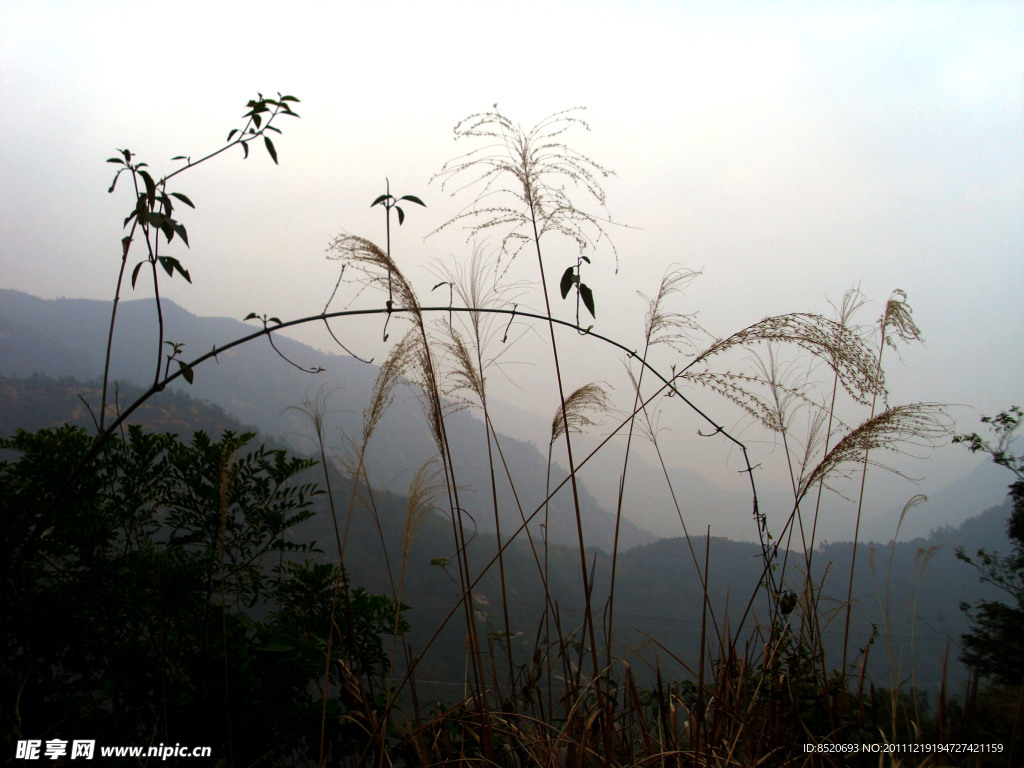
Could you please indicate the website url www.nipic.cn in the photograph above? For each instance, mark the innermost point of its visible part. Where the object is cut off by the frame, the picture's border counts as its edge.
(79, 749)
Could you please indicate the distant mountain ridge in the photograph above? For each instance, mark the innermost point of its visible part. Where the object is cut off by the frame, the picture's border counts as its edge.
(67, 337)
(910, 590)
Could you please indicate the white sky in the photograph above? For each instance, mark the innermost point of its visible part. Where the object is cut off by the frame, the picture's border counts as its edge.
(788, 150)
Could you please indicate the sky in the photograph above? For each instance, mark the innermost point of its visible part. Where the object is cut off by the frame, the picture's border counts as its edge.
(788, 151)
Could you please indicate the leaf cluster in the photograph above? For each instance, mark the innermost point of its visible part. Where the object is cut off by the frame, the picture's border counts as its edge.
(995, 644)
(167, 596)
(390, 202)
(154, 205)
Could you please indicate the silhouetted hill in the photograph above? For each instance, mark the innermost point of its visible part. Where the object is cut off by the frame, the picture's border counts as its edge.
(910, 590)
(67, 337)
(41, 401)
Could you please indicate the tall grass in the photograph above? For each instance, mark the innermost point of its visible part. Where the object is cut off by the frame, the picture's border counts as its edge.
(760, 686)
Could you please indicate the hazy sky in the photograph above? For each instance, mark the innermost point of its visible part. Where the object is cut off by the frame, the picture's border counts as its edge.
(787, 150)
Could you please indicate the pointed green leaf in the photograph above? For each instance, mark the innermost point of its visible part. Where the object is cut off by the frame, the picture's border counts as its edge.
(181, 232)
(245, 149)
(568, 278)
(275, 320)
(585, 259)
(401, 215)
(117, 160)
(186, 371)
(231, 133)
(270, 148)
(135, 273)
(588, 299)
(183, 199)
(380, 200)
(150, 185)
(250, 316)
(178, 157)
(413, 199)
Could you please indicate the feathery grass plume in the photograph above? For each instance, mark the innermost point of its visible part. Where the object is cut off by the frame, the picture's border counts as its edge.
(366, 257)
(662, 326)
(389, 376)
(464, 373)
(424, 489)
(542, 166)
(377, 266)
(789, 389)
(915, 424)
(839, 346)
(589, 397)
(814, 441)
(476, 284)
(853, 300)
(739, 388)
(430, 394)
(316, 411)
(786, 385)
(897, 321)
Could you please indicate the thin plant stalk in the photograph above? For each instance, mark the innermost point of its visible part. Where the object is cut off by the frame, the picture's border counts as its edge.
(897, 317)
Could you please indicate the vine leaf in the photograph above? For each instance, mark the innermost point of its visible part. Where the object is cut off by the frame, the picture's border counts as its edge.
(588, 299)
(568, 280)
(270, 148)
(170, 265)
(183, 199)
